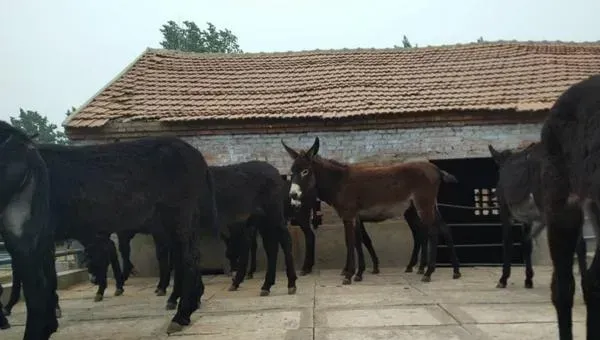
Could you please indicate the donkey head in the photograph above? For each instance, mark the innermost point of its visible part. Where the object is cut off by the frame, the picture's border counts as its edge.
(15, 167)
(499, 156)
(303, 177)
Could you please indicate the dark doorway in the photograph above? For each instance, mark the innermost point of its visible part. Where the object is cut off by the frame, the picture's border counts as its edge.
(477, 233)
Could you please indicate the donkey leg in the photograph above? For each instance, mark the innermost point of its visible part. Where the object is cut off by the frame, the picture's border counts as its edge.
(309, 244)
(285, 240)
(116, 268)
(271, 249)
(369, 245)
(527, 249)
(349, 232)
(3, 321)
(581, 251)
(507, 247)
(244, 251)
(162, 251)
(125, 250)
(450, 242)
(253, 247)
(359, 251)
(177, 263)
(563, 232)
(15, 293)
(424, 250)
(591, 279)
(410, 215)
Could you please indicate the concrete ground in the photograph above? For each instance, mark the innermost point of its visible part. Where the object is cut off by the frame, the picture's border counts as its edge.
(391, 305)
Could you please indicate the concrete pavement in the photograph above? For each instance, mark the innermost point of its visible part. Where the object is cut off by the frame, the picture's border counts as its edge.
(391, 305)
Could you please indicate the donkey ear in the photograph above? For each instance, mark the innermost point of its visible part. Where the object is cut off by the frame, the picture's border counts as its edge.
(293, 153)
(314, 149)
(496, 156)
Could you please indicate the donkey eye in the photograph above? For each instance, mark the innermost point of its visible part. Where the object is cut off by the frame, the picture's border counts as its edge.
(304, 172)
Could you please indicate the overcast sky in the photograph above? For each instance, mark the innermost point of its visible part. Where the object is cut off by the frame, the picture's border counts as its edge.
(57, 54)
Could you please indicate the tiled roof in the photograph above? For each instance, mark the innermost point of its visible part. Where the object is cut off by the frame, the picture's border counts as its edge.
(165, 86)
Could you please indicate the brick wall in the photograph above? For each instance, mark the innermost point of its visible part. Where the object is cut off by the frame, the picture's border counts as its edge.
(372, 145)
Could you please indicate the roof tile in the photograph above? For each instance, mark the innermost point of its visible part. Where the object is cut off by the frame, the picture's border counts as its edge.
(167, 85)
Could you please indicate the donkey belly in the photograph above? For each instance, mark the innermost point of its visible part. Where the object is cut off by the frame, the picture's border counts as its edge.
(379, 213)
(525, 211)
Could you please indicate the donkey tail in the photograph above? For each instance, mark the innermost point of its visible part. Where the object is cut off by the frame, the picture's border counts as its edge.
(447, 177)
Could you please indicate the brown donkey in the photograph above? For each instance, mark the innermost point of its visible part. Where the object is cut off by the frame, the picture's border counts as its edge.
(370, 192)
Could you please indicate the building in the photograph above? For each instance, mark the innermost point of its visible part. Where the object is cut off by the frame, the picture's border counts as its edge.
(375, 105)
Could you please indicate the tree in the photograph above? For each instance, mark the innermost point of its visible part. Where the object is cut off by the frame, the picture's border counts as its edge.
(480, 40)
(33, 123)
(192, 39)
(405, 43)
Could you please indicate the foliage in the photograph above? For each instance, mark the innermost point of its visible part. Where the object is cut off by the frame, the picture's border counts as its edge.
(406, 43)
(193, 39)
(33, 123)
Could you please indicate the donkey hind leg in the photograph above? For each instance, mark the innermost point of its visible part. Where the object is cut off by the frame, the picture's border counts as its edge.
(15, 292)
(116, 269)
(124, 238)
(242, 262)
(369, 245)
(359, 251)
(427, 213)
(591, 279)
(412, 219)
(271, 248)
(177, 263)
(581, 251)
(527, 244)
(285, 241)
(163, 251)
(450, 242)
(253, 247)
(507, 248)
(564, 226)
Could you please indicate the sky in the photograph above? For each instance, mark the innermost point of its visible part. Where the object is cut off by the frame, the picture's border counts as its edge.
(57, 54)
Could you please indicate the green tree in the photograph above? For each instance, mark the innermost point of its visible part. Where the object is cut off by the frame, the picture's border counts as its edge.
(406, 43)
(33, 123)
(480, 40)
(191, 38)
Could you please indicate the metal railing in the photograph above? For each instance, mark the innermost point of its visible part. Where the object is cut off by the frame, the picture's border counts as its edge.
(62, 253)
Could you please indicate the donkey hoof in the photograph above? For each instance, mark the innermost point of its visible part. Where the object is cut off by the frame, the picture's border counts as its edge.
(346, 281)
(376, 271)
(408, 270)
(292, 290)
(426, 278)
(343, 273)
(4, 325)
(161, 292)
(174, 327)
(250, 276)
(6, 312)
(171, 305)
(232, 288)
(58, 313)
(501, 285)
(264, 292)
(357, 278)
(456, 276)
(119, 292)
(528, 284)
(421, 271)
(98, 297)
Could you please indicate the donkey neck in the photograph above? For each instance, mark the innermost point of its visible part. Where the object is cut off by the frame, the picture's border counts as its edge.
(328, 178)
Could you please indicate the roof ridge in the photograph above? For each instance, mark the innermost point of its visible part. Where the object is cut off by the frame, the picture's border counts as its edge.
(495, 43)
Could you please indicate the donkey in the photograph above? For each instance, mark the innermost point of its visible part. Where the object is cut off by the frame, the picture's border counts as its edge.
(26, 229)
(100, 189)
(251, 191)
(374, 192)
(519, 193)
(570, 141)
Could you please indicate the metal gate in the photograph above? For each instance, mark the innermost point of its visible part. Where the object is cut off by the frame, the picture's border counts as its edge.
(476, 228)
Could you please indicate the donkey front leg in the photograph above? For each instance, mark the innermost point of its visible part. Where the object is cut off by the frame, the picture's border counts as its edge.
(3, 321)
(432, 256)
(359, 251)
(116, 268)
(366, 240)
